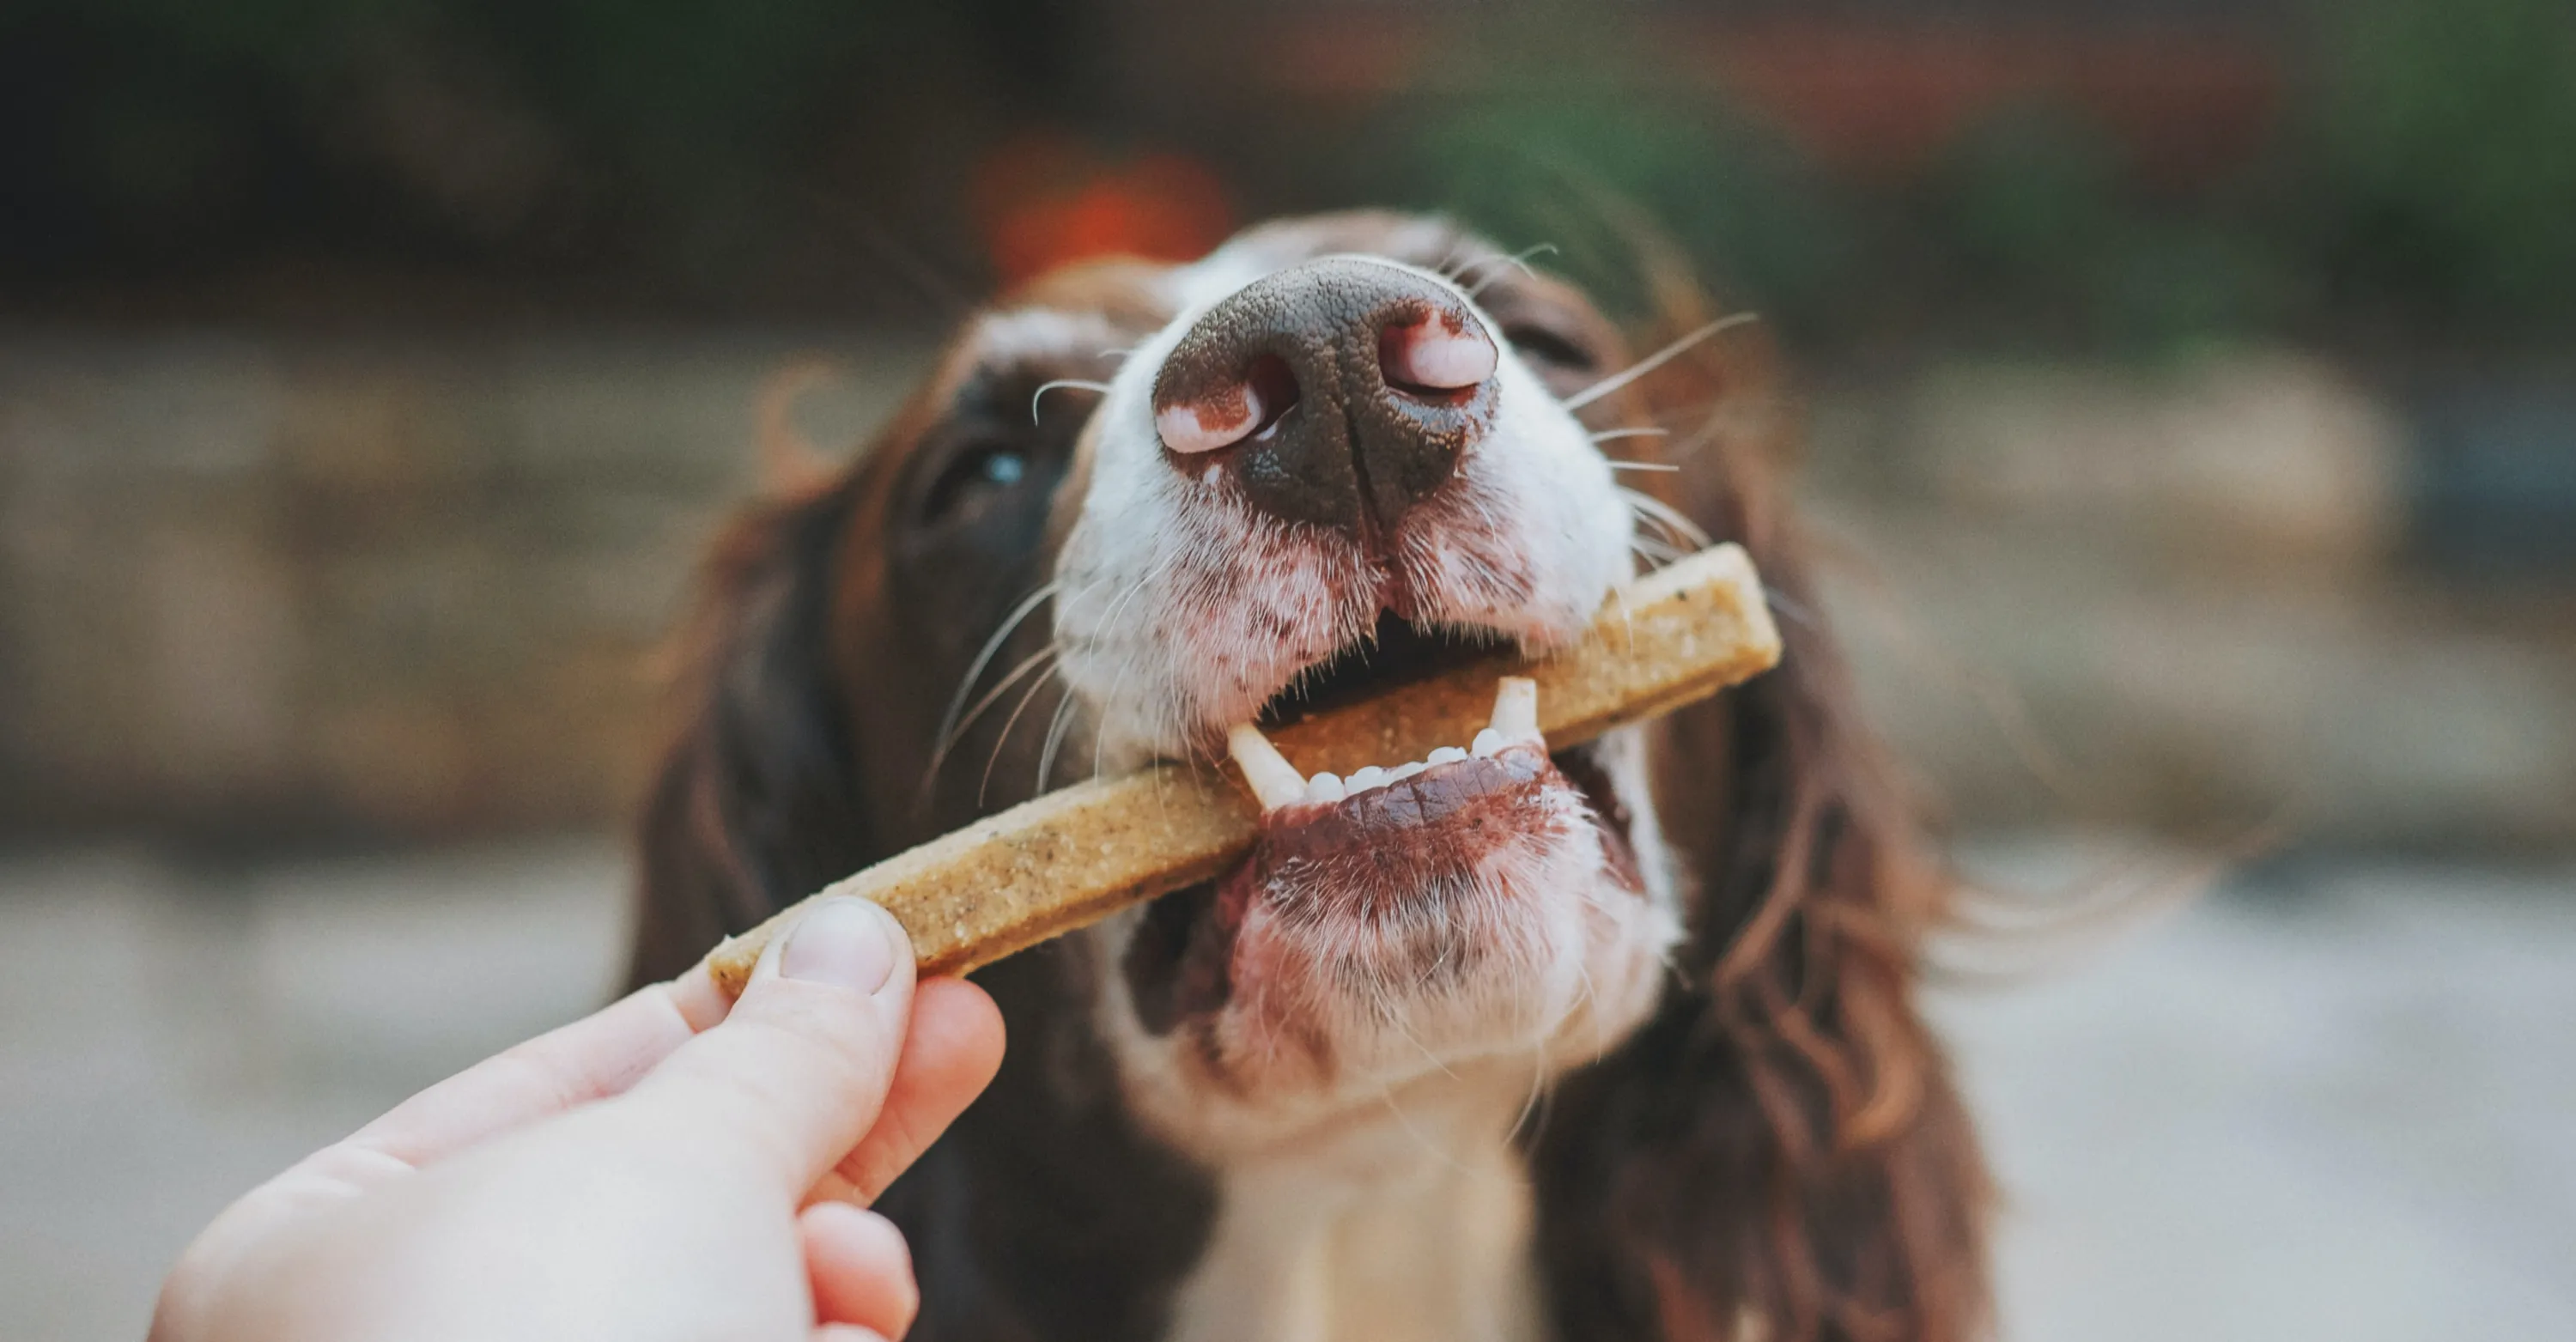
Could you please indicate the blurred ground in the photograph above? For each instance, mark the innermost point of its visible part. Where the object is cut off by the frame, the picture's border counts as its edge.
(2325, 1104)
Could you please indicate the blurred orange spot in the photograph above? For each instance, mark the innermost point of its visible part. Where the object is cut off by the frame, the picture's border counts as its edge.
(1045, 200)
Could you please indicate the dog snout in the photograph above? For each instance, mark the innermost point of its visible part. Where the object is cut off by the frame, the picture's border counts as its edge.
(1339, 392)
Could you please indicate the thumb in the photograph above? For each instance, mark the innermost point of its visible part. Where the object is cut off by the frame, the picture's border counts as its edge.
(793, 1077)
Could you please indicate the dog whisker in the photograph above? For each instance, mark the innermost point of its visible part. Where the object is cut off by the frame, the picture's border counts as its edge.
(1109, 619)
(1613, 435)
(1071, 383)
(1643, 466)
(1669, 515)
(1519, 258)
(1383, 1002)
(948, 724)
(1651, 530)
(1655, 360)
(1786, 605)
(1438, 1153)
(1539, 1091)
(1042, 657)
(1654, 557)
(1055, 737)
(1627, 617)
(985, 783)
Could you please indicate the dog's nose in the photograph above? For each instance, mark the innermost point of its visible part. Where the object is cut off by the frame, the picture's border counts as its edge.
(1339, 392)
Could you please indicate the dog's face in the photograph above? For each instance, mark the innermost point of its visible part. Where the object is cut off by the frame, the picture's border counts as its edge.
(1330, 466)
(1331, 454)
(1141, 512)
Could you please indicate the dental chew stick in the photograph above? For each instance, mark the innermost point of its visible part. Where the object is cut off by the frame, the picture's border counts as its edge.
(1081, 853)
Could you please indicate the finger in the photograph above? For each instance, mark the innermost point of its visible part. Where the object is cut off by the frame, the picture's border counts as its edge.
(698, 998)
(794, 1076)
(595, 1057)
(860, 1267)
(598, 1056)
(842, 1332)
(950, 1055)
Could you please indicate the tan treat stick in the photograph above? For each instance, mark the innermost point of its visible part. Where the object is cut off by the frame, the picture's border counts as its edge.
(1081, 853)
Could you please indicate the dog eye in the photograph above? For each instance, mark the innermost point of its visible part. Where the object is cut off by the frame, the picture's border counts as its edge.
(975, 473)
(1541, 345)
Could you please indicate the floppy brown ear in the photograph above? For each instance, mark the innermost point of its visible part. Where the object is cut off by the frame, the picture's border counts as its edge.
(1779, 1153)
(758, 800)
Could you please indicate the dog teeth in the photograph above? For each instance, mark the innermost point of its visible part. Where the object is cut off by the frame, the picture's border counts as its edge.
(1515, 718)
(1274, 780)
(1277, 783)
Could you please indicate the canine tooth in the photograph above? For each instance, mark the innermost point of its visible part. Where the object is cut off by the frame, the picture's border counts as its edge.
(1274, 780)
(1516, 709)
(1447, 755)
(1404, 771)
(1362, 779)
(1486, 743)
(1325, 787)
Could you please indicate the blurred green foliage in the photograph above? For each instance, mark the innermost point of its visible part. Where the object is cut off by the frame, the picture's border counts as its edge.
(2422, 179)
(1580, 170)
(2444, 143)
(2034, 212)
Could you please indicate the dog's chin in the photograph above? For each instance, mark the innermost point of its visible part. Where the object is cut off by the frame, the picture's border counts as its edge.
(1482, 916)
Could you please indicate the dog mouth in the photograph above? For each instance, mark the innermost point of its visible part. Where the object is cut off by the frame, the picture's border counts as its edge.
(1397, 651)
(1398, 842)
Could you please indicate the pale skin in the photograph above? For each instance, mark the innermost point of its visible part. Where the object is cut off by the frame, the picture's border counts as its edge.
(668, 1168)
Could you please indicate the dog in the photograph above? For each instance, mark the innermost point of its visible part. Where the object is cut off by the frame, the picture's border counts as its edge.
(1609, 1042)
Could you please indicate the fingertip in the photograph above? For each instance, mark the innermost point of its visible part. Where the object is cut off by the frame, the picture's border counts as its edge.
(860, 1267)
(950, 1055)
(844, 941)
(698, 998)
(794, 1073)
(960, 1023)
(858, 1236)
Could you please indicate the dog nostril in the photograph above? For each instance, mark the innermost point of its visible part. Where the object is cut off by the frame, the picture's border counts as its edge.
(1276, 388)
(1237, 411)
(1434, 354)
(1335, 393)
(1211, 422)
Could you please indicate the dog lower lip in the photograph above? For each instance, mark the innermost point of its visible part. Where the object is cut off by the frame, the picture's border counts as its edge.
(1392, 815)
(1396, 652)
(1179, 965)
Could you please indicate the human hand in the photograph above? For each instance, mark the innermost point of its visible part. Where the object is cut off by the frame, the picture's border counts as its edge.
(662, 1169)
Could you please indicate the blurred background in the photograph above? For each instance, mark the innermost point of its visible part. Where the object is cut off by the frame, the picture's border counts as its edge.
(2189, 398)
